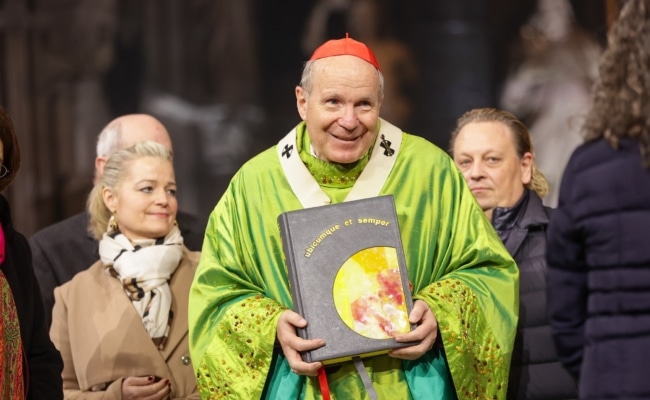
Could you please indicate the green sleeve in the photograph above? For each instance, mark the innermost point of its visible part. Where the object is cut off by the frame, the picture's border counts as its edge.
(460, 268)
(232, 324)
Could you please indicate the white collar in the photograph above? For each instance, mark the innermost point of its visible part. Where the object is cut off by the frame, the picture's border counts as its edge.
(369, 183)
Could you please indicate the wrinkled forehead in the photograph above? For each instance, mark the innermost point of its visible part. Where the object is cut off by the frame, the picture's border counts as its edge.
(345, 69)
(484, 136)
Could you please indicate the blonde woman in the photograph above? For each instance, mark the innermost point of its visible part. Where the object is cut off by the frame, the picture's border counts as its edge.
(121, 325)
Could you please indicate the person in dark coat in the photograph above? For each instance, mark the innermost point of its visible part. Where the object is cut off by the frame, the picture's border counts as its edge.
(598, 243)
(30, 365)
(494, 151)
(62, 250)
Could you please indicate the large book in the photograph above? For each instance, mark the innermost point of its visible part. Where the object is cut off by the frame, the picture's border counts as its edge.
(348, 277)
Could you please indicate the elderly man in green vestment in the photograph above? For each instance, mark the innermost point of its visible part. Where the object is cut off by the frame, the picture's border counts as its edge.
(464, 283)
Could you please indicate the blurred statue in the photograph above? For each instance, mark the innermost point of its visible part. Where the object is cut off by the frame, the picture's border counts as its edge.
(549, 87)
(201, 80)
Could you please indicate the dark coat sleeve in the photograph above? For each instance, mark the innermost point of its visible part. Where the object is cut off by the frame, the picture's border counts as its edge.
(566, 279)
(45, 275)
(59, 252)
(193, 230)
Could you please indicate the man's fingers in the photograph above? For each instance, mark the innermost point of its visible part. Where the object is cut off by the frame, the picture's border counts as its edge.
(422, 333)
(411, 352)
(294, 358)
(304, 345)
(293, 318)
(425, 333)
(418, 311)
(309, 369)
(292, 344)
(298, 344)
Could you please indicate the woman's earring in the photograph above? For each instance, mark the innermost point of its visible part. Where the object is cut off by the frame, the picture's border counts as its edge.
(112, 224)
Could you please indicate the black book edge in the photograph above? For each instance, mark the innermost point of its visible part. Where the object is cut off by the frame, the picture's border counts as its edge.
(293, 280)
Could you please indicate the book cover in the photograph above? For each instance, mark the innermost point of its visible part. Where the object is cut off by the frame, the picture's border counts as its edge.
(348, 277)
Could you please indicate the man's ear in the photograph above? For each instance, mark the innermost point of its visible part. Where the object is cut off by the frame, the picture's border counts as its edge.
(100, 161)
(527, 168)
(301, 101)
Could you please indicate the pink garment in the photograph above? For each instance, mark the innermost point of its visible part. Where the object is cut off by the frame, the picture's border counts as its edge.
(2, 245)
(12, 380)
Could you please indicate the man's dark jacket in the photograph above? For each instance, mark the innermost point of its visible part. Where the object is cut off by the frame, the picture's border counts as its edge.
(64, 249)
(43, 363)
(535, 372)
(599, 270)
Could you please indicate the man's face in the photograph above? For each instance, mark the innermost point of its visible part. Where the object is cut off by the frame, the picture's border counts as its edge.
(486, 155)
(342, 108)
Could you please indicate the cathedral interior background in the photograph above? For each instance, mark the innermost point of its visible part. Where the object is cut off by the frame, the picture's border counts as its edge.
(221, 74)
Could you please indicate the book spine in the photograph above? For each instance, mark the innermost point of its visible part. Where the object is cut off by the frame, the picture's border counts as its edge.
(292, 272)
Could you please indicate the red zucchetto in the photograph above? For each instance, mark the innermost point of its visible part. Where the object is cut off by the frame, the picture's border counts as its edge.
(346, 46)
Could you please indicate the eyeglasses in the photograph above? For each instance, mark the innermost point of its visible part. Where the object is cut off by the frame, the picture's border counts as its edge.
(3, 171)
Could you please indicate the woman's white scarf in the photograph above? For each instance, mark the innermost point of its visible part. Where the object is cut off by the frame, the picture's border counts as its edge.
(144, 267)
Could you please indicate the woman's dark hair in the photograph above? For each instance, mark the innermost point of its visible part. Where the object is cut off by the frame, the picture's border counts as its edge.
(11, 150)
(621, 94)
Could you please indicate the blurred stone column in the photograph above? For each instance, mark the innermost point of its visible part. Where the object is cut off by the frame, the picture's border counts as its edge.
(451, 41)
(53, 56)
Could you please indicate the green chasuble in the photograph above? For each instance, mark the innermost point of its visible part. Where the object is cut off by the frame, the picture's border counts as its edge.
(456, 263)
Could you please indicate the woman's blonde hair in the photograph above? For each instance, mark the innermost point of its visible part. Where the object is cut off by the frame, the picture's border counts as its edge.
(115, 170)
(521, 136)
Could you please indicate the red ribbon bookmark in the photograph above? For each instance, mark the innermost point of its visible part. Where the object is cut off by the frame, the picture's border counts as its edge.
(324, 386)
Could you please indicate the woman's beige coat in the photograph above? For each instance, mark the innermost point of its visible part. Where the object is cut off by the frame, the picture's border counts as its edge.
(102, 340)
